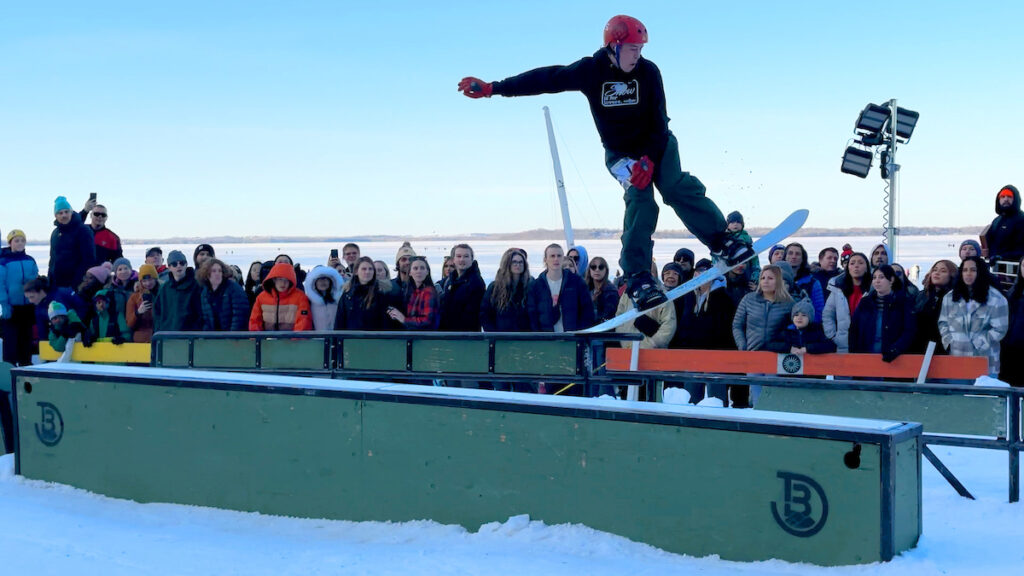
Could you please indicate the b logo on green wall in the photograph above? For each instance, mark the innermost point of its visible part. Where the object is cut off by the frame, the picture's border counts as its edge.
(50, 428)
(804, 506)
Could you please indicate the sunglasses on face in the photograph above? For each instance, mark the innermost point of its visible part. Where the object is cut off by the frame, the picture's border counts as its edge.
(574, 259)
(100, 214)
(597, 267)
(178, 263)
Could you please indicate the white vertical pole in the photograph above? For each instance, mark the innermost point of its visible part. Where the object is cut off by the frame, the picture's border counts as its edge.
(922, 376)
(633, 392)
(559, 182)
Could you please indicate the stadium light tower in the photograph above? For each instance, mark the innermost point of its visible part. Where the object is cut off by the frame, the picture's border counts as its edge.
(881, 127)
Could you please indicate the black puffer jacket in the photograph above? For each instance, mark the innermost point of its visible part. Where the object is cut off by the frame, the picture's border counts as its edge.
(460, 302)
(72, 252)
(353, 314)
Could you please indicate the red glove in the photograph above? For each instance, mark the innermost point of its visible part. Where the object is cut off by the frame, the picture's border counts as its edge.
(475, 87)
(643, 171)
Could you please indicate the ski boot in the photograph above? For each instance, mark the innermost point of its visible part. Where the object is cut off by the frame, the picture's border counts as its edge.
(645, 292)
(732, 252)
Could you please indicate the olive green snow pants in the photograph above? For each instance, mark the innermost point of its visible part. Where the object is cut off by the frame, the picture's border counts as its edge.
(680, 190)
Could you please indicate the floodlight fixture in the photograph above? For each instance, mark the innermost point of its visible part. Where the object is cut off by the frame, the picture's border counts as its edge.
(872, 119)
(906, 120)
(856, 162)
(883, 126)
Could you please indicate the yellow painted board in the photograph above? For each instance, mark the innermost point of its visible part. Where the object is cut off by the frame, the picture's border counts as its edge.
(101, 353)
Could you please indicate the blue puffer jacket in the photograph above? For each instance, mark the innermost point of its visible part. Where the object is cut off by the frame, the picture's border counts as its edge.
(16, 268)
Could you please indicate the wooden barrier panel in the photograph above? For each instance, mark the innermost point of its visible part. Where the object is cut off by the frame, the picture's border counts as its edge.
(829, 491)
(976, 415)
(100, 353)
(845, 365)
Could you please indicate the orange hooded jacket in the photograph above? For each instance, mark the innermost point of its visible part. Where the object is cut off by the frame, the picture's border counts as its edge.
(288, 310)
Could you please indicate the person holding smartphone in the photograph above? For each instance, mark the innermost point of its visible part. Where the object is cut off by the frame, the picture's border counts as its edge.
(139, 310)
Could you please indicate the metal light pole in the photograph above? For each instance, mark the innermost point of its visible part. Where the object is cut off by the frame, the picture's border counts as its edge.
(892, 230)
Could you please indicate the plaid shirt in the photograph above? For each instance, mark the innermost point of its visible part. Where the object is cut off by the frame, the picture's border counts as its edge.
(421, 309)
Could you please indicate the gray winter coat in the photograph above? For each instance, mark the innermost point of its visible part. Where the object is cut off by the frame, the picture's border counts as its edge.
(758, 321)
(835, 318)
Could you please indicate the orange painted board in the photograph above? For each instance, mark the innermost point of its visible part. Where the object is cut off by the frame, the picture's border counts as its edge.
(849, 365)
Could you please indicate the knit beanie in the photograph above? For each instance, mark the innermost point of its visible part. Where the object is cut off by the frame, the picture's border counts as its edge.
(674, 267)
(101, 273)
(703, 264)
(683, 254)
(734, 216)
(176, 256)
(122, 261)
(148, 270)
(56, 309)
(203, 248)
(803, 307)
(15, 233)
(405, 250)
(977, 247)
(773, 249)
(61, 203)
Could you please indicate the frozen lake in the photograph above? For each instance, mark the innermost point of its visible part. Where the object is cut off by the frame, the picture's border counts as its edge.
(922, 251)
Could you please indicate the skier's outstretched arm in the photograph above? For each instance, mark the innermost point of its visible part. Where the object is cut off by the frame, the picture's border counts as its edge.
(547, 80)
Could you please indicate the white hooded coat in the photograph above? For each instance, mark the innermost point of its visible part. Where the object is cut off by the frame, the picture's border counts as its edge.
(323, 312)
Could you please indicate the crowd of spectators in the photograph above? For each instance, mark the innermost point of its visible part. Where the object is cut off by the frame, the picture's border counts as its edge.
(845, 301)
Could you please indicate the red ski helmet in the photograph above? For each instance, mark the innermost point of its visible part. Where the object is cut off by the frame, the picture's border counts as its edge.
(623, 29)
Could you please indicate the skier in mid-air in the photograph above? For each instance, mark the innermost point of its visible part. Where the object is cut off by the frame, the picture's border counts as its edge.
(627, 101)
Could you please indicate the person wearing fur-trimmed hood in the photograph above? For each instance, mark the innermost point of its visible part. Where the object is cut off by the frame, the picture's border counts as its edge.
(323, 287)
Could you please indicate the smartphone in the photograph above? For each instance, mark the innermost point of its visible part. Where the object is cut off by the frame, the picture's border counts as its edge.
(92, 195)
(334, 253)
(147, 297)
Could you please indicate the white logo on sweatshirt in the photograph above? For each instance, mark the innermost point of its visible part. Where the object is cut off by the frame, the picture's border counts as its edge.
(620, 94)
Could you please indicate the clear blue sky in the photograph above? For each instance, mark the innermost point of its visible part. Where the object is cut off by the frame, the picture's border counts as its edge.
(342, 118)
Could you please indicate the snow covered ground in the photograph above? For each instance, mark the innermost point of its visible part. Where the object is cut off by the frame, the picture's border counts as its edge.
(54, 529)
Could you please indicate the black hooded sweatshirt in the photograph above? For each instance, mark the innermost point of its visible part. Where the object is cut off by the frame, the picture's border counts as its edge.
(1005, 236)
(628, 108)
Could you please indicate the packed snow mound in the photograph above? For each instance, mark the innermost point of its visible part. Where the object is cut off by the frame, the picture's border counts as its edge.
(675, 396)
(991, 382)
(711, 402)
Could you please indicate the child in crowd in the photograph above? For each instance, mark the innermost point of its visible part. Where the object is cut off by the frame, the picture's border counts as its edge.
(280, 306)
(66, 328)
(107, 324)
(737, 227)
(804, 335)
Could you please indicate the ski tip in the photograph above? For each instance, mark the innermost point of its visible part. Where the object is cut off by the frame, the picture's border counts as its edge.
(800, 216)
